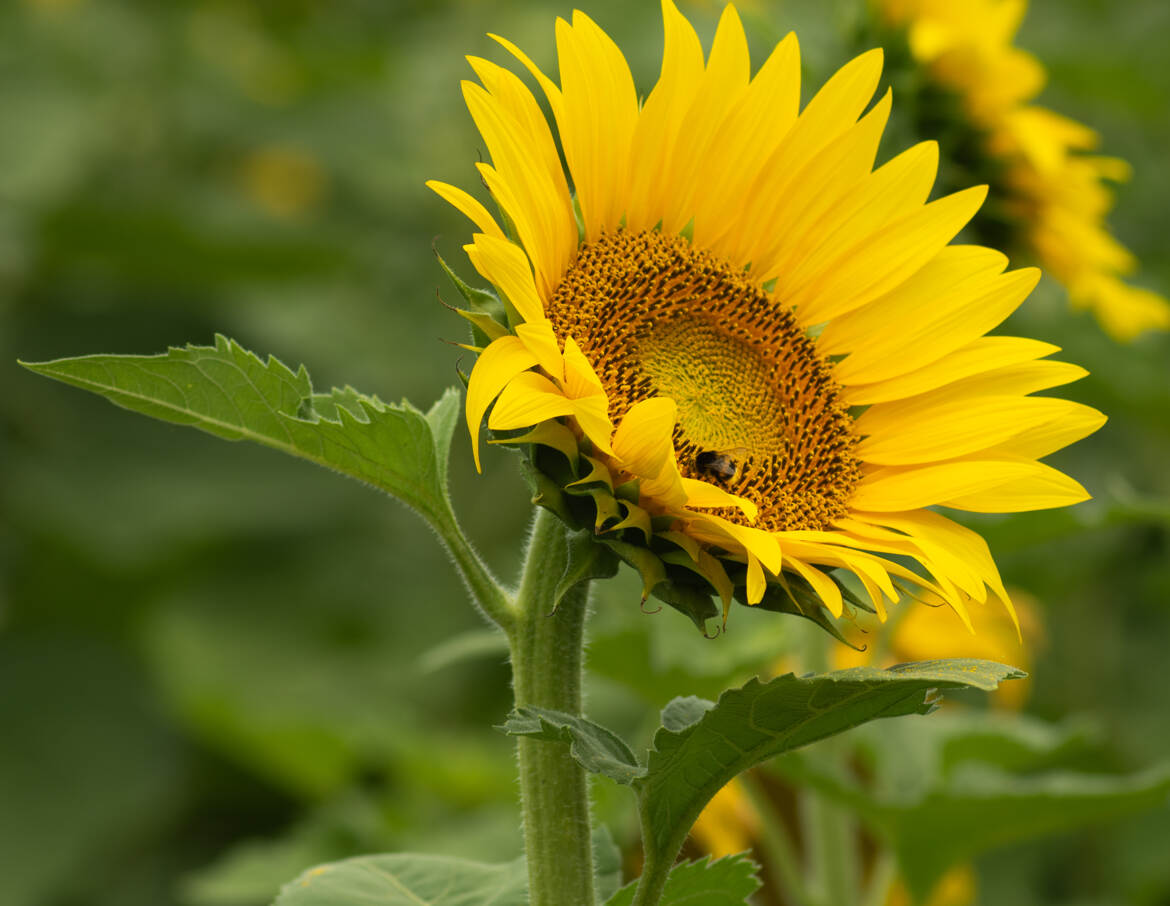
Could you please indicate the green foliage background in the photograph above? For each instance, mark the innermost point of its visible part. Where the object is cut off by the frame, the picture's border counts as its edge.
(218, 666)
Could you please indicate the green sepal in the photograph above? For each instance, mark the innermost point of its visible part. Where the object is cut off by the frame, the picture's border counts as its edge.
(661, 524)
(635, 518)
(791, 594)
(587, 559)
(645, 561)
(630, 491)
(482, 302)
(684, 541)
(688, 599)
(850, 596)
(551, 434)
(484, 328)
(547, 493)
(608, 511)
(710, 570)
(598, 476)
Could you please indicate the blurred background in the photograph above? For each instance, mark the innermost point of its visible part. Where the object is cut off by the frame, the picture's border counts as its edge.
(218, 666)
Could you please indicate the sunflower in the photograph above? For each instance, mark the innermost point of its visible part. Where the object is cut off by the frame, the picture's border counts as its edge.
(1052, 191)
(739, 356)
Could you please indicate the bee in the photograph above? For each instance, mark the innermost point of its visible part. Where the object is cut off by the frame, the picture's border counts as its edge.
(722, 466)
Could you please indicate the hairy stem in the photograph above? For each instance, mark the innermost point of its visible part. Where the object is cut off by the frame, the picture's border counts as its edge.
(486, 593)
(547, 653)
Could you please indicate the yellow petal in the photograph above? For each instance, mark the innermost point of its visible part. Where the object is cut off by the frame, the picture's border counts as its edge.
(591, 413)
(901, 434)
(965, 481)
(756, 584)
(535, 200)
(877, 263)
(735, 160)
(655, 136)
(704, 495)
(580, 378)
(506, 265)
(539, 339)
(1074, 423)
(529, 399)
(1044, 487)
(498, 364)
(825, 587)
(963, 310)
(643, 440)
(468, 206)
(600, 110)
(980, 355)
(835, 197)
(723, 83)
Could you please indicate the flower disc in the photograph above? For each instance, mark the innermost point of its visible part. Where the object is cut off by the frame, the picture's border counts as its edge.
(758, 410)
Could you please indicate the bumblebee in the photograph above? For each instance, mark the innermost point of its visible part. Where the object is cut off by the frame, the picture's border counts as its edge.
(722, 466)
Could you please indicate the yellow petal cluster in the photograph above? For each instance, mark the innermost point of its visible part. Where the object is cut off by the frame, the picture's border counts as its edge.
(892, 318)
(1057, 189)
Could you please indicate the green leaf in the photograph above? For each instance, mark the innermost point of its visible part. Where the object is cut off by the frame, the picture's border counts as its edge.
(943, 791)
(229, 392)
(597, 749)
(408, 879)
(607, 863)
(683, 712)
(687, 766)
(726, 882)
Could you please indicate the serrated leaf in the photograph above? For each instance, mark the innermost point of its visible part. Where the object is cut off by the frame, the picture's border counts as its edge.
(229, 392)
(726, 882)
(408, 879)
(595, 748)
(684, 711)
(748, 725)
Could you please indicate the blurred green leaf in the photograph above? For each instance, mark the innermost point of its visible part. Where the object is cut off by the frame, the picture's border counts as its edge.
(940, 796)
(607, 863)
(406, 879)
(725, 882)
(86, 765)
(229, 392)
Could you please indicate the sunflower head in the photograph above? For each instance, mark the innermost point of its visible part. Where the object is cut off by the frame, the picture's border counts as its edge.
(735, 354)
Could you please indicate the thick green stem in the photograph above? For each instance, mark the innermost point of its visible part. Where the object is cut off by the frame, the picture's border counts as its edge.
(547, 652)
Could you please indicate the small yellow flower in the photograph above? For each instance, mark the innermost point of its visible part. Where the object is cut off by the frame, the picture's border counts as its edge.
(738, 351)
(1054, 188)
